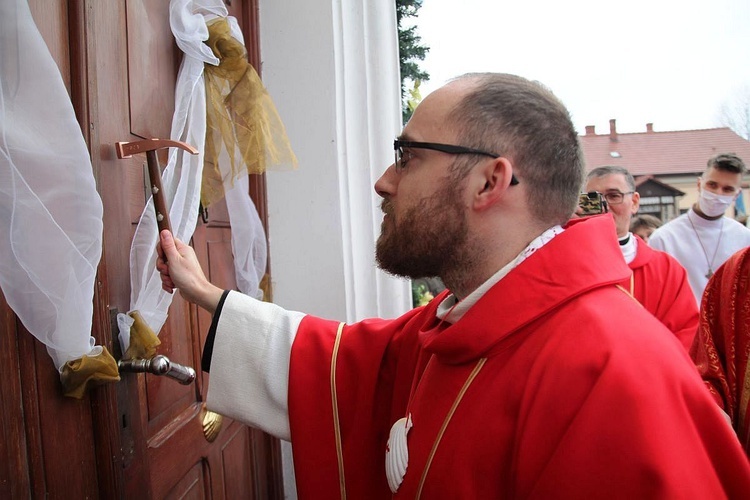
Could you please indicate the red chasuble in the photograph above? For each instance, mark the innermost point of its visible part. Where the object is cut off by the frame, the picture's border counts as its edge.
(556, 384)
(660, 284)
(722, 346)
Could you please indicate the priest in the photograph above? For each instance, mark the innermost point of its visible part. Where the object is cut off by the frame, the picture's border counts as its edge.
(657, 281)
(533, 375)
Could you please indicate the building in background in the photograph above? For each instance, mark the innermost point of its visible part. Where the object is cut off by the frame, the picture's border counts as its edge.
(665, 164)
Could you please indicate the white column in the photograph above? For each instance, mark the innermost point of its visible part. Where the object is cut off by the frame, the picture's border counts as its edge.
(332, 70)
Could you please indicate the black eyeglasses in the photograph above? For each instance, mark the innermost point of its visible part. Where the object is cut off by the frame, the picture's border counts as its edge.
(399, 145)
(615, 197)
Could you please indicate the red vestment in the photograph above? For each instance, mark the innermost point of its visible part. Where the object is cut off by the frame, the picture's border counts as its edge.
(583, 394)
(660, 284)
(722, 346)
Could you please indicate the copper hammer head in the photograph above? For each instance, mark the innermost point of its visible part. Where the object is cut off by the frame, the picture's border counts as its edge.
(150, 146)
(128, 149)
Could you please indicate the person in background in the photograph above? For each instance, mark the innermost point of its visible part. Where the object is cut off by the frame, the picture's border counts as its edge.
(657, 280)
(721, 350)
(532, 376)
(704, 238)
(643, 225)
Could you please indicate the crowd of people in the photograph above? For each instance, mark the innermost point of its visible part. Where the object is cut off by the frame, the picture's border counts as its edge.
(560, 361)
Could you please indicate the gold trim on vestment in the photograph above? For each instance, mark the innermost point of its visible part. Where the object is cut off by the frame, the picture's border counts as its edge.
(447, 420)
(744, 400)
(336, 423)
(630, 293)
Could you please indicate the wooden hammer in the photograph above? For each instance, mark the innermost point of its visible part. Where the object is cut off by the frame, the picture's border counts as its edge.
(150, 146)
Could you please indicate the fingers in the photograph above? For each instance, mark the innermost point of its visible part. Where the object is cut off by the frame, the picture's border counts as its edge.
(161, 265)
(166, 247)
(166, 280)
(178, 267)
(159, 250)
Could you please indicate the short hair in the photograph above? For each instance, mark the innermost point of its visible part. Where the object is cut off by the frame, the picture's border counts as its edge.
(728, 162)
(612, 170)
(523, 121)
(644, 221)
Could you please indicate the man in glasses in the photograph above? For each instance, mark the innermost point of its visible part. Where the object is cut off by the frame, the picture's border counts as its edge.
(704, 238)
(533, 376)
(657, 281)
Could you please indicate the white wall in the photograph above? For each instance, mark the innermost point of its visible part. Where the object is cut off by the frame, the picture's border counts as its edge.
(332, 69)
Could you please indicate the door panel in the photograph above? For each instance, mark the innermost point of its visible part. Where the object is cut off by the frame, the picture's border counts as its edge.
(151, 54)
(191, 487)
(181, 462)
(51, 17)
(143, 437)
(43, 432)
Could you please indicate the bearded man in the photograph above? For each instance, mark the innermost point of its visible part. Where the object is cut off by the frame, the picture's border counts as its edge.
(533, 375)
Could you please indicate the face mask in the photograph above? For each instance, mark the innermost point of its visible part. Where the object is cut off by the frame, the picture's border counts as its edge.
(713, 204)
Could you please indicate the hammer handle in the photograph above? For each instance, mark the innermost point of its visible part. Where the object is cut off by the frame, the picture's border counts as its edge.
(160, 204)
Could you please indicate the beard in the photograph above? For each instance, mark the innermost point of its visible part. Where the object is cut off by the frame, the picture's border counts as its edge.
(428, 239)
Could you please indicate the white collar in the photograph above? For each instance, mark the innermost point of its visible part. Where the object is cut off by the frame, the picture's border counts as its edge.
(629, 249)
(457, 309)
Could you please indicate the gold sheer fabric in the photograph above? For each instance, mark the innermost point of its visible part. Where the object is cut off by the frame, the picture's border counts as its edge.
(240, 118)
(143, 340)
(79, 375)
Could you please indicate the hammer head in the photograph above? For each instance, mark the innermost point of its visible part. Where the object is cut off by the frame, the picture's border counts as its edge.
(128, 149)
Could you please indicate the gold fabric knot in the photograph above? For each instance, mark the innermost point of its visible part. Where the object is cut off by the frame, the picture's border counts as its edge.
(79, 375)
(241, 119)
(143, 340)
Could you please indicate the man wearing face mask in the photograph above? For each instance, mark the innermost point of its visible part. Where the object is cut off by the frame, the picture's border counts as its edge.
(703, 238)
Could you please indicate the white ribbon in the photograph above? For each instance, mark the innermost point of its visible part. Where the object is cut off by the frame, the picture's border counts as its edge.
(50, 211)
(181, 179)
(248, 239)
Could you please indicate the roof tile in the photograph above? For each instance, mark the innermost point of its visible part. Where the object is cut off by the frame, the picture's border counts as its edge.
(663, 153)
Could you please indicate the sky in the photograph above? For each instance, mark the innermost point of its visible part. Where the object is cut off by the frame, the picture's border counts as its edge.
(673, 63)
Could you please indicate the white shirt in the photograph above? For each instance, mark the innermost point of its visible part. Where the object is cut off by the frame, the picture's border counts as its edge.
(700, 246)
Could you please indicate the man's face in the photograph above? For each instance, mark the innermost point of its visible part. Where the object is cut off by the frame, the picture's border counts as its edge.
(622, 212)
(419, 241)
(720, 182)
(425, 225)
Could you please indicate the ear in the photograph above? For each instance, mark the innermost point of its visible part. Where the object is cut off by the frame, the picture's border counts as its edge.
(490, 182)
(636, 201)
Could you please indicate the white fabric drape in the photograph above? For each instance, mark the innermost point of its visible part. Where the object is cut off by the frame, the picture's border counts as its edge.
(248, 239)
(50, 211)
(182, 175)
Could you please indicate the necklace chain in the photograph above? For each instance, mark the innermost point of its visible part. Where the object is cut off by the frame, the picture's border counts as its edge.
(705, 253)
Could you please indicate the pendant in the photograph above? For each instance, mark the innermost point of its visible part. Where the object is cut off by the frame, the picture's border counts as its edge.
(709, 273)
(397, 453)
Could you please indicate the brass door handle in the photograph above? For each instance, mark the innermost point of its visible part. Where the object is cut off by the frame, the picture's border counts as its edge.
(158, 365)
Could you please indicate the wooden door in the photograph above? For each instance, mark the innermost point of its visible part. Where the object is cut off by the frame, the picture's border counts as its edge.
(143, 437)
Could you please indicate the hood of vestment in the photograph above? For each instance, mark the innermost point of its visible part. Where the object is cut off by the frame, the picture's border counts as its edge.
(586, 256)
(644, 253)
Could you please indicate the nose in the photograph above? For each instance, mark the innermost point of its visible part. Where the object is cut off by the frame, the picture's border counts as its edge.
(386, 185)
